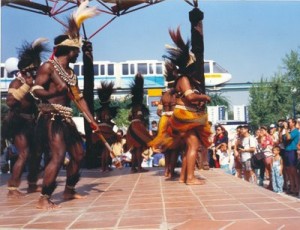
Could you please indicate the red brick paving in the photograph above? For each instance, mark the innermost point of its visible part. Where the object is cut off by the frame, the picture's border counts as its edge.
(121, 200)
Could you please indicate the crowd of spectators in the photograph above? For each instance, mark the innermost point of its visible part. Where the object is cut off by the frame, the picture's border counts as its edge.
(278, 146)
(268, 156)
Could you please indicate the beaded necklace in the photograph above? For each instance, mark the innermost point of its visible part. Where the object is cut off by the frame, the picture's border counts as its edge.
(69, 79)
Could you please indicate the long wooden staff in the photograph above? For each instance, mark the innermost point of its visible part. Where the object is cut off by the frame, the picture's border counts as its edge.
(115, 160)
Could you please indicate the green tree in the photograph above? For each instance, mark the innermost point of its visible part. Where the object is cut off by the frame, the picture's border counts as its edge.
(273, 100)
(292, 66)
(269, 101)
(218, 99)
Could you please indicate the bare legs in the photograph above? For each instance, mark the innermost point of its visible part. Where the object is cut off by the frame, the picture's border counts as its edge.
(189, 160)
(268, 167)
(105, 160)
(58, 150)
(171, 160)
(21, 144)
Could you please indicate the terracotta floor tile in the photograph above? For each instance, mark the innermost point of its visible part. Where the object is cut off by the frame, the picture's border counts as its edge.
(253, 224)
(267, 206)
(94, 224)
(201, 224)
(140, 222)
(279, 213)
(240, 215)
(226, 208)
(121, 200)
(47, 225)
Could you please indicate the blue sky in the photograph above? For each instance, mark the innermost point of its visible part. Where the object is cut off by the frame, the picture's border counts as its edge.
(248, 38)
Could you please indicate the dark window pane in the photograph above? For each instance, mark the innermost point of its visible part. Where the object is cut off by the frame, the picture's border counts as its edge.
(110, 69)
(96, 69)
(159, 68)
(132, 71)
(206, 67)
(125, 70)
(2, 72)
(151, 70)
(76, 69)
(102, 69)
(142, 68)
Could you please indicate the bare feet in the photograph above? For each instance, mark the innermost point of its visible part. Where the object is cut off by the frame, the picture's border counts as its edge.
(34, 188)
(133, 170)
(15, 193)
(205, 165)
(195, 181)
(167, 173)
(143, 170)
(45, 203)
(70, 195)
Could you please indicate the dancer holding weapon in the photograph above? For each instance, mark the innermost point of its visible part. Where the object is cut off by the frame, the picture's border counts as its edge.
(56, 131)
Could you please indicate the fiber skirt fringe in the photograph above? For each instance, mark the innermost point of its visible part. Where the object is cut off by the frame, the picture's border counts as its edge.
(175, 128)
(137, 135)
(46, 127)
(16, 123)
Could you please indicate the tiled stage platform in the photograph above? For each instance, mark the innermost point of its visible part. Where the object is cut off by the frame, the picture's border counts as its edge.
(121, 200)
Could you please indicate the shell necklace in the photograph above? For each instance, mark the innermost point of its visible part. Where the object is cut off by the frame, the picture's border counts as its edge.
(70, 79)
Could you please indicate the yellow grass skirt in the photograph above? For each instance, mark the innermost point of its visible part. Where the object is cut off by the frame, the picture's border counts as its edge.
(172, 129)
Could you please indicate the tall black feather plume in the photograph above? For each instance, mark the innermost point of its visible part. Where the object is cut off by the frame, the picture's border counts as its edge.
(179, 55)
(30, 53)
(137, 90)
(137, 95)
(169, 71)
(104, 95)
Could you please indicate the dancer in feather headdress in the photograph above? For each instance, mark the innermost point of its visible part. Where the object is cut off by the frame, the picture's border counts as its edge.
(105, 114)
(19, 124)
(56, 84)
(138, 136)
(189, 119)
(165, 109)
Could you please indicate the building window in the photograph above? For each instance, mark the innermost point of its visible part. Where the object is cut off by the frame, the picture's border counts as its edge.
(102, 69)
(206, 67)
(159, 68)
(142, 68)
(125, 70)
(76, 70)
(110, 69)
(96, 69)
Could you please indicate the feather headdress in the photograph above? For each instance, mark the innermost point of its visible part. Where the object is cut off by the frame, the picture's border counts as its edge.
(72, 36)
(30, 54)
(137, 96)
(104, 94)
(169, 71)
(180, 55)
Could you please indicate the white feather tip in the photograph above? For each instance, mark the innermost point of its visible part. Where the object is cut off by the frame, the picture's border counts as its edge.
(39, 41)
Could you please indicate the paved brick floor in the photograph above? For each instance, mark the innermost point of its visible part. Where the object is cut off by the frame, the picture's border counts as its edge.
(121, 200)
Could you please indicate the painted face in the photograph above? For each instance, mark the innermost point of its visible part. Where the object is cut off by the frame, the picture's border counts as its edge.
(31, 72)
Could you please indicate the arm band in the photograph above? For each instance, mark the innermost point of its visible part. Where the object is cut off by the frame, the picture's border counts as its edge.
(35, 88)
(188, 92)
(76, 92)
(19, 93)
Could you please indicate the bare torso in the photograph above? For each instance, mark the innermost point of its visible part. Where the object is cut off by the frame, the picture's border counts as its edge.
(168, 101)
(56, 87)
